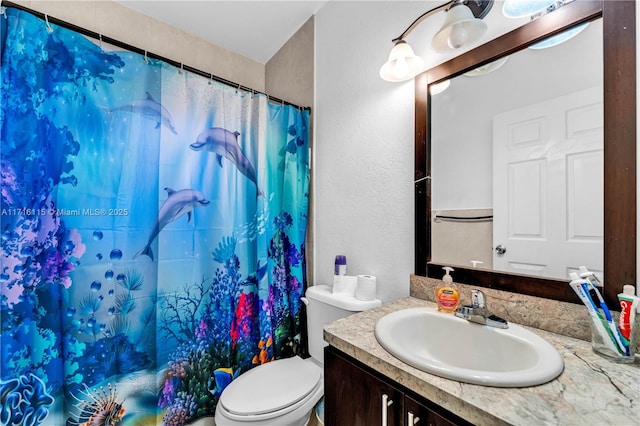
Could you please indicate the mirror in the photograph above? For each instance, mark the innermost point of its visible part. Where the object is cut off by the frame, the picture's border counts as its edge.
(619, 181)
(516, 160)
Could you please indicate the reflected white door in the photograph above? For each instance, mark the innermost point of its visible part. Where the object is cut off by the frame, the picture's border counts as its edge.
(548, 186)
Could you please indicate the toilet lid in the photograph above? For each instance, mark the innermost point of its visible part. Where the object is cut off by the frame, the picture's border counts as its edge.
(271, 387)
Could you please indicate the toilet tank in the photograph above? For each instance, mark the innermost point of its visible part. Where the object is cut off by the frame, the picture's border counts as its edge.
(324, 307)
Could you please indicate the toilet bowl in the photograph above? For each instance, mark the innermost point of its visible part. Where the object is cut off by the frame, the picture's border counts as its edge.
(284, 392)
(281, 392)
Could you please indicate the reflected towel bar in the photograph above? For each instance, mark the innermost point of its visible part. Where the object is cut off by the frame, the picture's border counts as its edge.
(440, 218)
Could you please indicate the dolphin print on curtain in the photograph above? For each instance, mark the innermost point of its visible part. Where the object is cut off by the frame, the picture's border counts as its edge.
(153, 225)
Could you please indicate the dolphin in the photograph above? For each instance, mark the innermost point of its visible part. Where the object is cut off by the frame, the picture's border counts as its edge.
(177, 204)
(224, 143)
(149, 108)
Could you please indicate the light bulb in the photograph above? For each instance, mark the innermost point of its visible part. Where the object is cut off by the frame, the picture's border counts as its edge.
(401, 68)
(458, 36)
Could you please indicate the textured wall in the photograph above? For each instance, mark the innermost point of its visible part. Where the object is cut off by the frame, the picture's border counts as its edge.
(364, 151)
(129, 26)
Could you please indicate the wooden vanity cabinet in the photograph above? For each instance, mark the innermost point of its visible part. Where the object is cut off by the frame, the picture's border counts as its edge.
(354, 395)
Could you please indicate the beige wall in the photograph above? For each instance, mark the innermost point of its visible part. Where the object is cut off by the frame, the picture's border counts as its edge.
(289, 73)
(113, 20)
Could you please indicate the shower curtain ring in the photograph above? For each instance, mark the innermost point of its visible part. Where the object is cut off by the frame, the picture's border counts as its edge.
(146, 58)
(211, 78)
(181, 68)
(100, 39)
(3, 11)
(46, 20)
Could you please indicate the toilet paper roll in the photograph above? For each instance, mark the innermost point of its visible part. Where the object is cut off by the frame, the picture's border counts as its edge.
(344, 284)
(366, 287)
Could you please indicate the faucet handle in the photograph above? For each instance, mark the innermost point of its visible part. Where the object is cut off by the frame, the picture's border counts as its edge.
(477, 299)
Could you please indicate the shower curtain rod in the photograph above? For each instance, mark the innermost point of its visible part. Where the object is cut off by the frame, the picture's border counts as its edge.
(146, 53)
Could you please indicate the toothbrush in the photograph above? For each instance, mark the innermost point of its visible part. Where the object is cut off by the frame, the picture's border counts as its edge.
(590, 276)
(592, 284)
(579, 287)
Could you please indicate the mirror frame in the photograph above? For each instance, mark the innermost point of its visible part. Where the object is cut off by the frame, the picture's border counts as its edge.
(619, 101)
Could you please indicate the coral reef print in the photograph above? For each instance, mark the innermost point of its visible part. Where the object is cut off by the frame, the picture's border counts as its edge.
(152, 226)
(25, 401)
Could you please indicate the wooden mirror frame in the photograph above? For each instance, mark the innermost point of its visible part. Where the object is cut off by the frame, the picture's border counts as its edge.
(619, 101)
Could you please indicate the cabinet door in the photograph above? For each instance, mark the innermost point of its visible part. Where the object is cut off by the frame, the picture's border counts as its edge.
(354, 397)
(420, 415)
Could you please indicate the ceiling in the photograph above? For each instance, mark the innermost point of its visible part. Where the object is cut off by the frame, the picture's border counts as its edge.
(255, 29)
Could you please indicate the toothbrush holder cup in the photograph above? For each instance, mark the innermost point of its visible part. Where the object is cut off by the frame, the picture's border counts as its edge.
(603, 342)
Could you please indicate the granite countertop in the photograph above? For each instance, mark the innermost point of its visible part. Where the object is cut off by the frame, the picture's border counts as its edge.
(590, 391)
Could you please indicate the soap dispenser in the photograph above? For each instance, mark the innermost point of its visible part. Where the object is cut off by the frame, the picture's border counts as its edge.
(447, 294)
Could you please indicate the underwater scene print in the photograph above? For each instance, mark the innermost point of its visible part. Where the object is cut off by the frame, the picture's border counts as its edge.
(153, 225)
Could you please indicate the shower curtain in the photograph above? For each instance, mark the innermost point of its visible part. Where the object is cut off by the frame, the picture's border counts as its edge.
(153, 226)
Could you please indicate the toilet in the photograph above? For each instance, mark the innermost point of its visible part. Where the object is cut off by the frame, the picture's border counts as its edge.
(284, 392)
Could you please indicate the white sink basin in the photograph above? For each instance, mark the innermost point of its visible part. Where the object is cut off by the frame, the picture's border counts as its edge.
(457, 349)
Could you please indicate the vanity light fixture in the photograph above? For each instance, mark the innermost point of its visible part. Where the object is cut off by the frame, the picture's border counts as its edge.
(535, 9)
(532, 8)
(402, 64)
(488, 68)
(460, 26)
(560, 38)
(437, 88)
(463, 25)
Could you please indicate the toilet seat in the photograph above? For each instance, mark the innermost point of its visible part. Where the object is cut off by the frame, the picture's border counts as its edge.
(272, 390)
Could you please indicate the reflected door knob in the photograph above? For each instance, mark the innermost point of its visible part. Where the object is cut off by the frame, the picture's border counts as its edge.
(500, 249)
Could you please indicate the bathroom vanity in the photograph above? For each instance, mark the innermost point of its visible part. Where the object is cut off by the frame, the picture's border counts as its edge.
(367, 397)
(359, 373)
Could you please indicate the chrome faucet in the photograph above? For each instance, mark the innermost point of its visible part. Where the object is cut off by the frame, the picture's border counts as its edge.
(477, 312)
